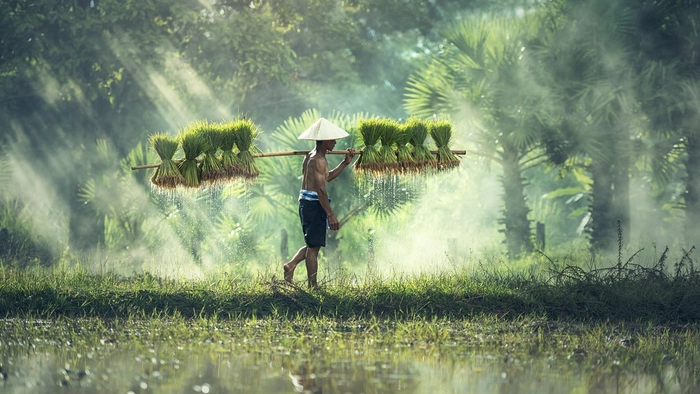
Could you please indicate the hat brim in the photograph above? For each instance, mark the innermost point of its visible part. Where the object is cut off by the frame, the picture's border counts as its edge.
(323, 130)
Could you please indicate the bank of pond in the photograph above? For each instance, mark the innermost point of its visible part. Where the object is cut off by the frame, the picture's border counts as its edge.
(617, 294)
(613, 330)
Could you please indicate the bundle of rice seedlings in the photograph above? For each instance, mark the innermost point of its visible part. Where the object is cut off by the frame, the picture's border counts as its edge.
(403, 152)
(166, 175)
(370, 131)
(193, 146)
(419, 133)
(212, 169)
(246, 134)
(230, 162)
(390, 131)
(441, 133)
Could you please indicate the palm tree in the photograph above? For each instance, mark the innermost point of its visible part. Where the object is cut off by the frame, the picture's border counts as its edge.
(481, 80)
(691, 143)
(584, 58)
(671, 98)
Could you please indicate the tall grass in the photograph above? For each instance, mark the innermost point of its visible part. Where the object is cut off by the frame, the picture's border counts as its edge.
(627, 292)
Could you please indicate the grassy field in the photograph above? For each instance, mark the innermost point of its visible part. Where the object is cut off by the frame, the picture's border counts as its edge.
(621, 293)
(627, 328)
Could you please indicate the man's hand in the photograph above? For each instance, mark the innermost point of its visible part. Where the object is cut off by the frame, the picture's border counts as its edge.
(333, 223)
(349, 156)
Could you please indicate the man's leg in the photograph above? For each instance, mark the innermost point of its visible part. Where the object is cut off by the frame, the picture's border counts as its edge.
(312, 265)
(292, 264)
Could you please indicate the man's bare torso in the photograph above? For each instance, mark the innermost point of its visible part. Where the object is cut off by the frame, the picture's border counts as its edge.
(314, 172)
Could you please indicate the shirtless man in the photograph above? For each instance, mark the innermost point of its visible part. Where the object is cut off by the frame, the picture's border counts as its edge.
(314, 206)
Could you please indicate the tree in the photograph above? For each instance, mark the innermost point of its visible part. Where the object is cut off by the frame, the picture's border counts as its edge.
(352, 56)
(79, 71)
(585, 67)
(481, 79)
(671, 95)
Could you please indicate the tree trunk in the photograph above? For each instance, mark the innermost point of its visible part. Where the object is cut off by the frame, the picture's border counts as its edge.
(692, 190)
(611, 193)
(284, 245)
(621, 182)
(603, 226)
(517, 226)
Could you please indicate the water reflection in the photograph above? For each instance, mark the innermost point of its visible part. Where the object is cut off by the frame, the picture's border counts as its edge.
(228, 369)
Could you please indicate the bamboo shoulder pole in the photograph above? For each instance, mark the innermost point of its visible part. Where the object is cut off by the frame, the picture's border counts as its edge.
(304, 152)
(144, 167)
(296, 153)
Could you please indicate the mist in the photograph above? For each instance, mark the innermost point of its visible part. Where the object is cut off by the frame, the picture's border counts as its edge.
(77, 113)
(448, 228)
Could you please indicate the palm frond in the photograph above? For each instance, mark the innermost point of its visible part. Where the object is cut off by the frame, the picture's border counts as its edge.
(285, 136)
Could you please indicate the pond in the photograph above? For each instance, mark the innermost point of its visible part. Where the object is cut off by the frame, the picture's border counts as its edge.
(86, 356)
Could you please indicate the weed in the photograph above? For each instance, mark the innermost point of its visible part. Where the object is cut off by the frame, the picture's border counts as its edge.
(627, 291)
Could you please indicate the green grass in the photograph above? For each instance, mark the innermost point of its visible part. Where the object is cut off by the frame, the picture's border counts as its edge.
(623, 293)
(483, 331)
(619, 324)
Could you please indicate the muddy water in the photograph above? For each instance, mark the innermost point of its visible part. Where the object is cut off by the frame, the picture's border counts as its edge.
(109, 362)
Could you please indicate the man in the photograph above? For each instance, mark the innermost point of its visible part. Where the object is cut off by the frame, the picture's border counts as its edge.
(315, 209)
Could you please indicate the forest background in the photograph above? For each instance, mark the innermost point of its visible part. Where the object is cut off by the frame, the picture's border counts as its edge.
(578, 116)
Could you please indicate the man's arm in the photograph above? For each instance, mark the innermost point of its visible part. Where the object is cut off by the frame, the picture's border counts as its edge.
(303, 165)
(320, 174)
(337, 170)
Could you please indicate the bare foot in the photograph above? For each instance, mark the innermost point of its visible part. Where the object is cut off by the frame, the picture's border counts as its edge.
(288, 273)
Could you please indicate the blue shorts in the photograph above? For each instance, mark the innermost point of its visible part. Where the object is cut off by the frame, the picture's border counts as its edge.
(313, 223)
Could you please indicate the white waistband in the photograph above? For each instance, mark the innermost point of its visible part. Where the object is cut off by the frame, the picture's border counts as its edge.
(308, 195)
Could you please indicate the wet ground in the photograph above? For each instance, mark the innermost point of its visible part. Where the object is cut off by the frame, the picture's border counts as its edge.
(147, 357)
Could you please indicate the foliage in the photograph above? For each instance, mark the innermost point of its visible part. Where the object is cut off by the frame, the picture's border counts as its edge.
(18, 248)
(246, 135)
(441, 133)
(193, 145)
(212, 169)
(229, 159)
(668, 95)
(371, 131)
(480, 81)
(419, 134)
(605, 90)
(388, 138)
(113, 196)
(404, 157)
(167, 175)
(592, 117)
(74, 72)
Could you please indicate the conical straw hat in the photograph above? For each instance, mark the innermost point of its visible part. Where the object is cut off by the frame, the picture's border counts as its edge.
(323, 130)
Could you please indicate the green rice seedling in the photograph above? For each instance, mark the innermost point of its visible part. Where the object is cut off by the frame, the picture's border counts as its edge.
(403, 152)
(212, 169)
(230, 162)
(421, 154)
(390, 130)
(370, 131)
(441, 133)
(246, 134)
(193, 146)
(166, 175)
